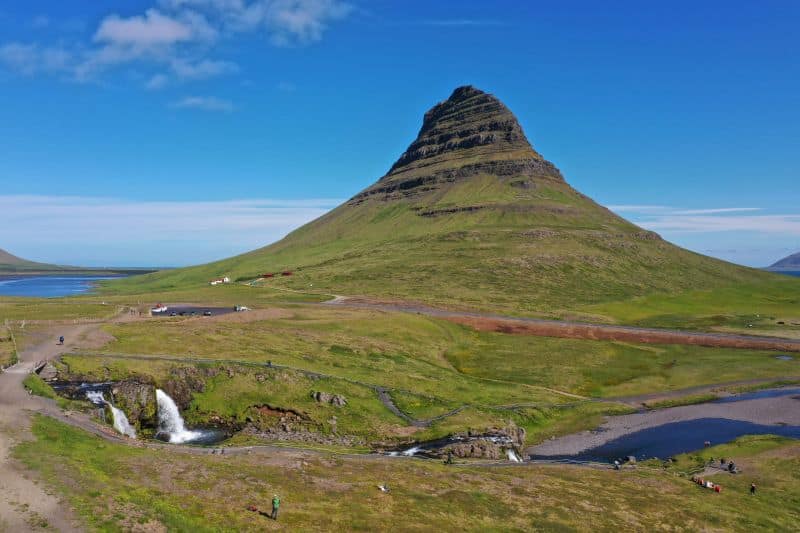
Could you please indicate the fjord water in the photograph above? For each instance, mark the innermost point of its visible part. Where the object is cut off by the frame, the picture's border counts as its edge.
(48, 286)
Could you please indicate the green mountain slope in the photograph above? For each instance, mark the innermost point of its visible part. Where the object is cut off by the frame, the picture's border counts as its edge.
(471, 216)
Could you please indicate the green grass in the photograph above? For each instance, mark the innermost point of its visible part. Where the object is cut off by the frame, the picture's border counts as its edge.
(39, 387)
(684, 400)
(762, 304)
(8, 351)
(430, 366)
(53, 309)
(114, 488)
(427, 356)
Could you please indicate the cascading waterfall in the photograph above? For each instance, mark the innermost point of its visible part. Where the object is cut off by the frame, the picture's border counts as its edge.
(513, 456)
(121, 423)
(170, 422)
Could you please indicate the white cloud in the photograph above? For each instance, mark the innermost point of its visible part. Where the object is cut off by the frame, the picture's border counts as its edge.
(205, 103)
(30, 59)
(710, 220)
(154, 233)
(205, 68)
(159, 81)
(149, 30)
(177, 37)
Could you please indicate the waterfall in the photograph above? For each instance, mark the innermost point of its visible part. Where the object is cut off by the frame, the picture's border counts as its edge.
(513, 456)
(171, 423)
(121, 423)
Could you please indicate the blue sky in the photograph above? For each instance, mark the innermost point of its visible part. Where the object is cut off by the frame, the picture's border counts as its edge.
(171, 132)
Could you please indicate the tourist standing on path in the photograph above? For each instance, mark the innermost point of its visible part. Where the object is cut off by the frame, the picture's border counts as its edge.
(752, 489)
(276, 503)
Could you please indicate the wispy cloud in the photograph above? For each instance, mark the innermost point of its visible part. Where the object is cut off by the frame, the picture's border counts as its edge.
(461, 22)
(205, 103)
(710, 220)
(155, 233)
(175, 38)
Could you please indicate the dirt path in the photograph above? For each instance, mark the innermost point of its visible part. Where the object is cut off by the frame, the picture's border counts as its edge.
(578, 330)
(24, 504)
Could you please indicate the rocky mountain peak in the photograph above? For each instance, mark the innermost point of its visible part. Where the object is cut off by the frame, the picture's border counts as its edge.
(470, 118)
(470, 133)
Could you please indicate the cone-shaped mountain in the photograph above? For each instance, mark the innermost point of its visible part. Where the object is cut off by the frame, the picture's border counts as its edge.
(472, 216)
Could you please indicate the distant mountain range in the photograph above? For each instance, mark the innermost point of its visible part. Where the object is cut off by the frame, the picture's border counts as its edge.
(472, 216)
(790, 264)
(10, 264)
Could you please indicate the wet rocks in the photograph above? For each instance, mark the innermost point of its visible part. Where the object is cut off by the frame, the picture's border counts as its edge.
(136, 397)
(185, 381)
(333, 399)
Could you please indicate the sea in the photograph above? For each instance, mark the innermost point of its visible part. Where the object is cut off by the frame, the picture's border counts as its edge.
(49, 286)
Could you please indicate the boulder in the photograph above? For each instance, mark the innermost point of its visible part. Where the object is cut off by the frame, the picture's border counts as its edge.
(333, 399)
(48, 372)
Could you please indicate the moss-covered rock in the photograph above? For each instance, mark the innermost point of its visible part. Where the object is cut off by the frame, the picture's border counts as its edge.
(137, 399)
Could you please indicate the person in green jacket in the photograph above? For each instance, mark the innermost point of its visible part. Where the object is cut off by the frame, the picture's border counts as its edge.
(276, 503)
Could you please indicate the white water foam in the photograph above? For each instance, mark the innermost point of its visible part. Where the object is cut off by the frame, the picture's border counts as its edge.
(411, 451)
(170, 421)
(121, 423)
(513, 456)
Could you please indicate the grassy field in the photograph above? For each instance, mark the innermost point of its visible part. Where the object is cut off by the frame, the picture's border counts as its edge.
(8, 350)
(429, 366)
(428, 355)
(116, 488)
(54, 309)
(763, 305)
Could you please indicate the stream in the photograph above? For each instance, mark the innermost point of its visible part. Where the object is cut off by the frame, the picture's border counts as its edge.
(665, 433)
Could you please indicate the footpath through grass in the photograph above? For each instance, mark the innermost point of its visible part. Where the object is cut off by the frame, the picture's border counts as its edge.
(119, 488)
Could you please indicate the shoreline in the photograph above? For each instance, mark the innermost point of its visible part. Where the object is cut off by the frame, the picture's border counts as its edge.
(778, 411)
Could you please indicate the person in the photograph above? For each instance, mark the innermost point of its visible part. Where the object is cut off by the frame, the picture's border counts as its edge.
(752, 489)
(61, 340)
(276, 503)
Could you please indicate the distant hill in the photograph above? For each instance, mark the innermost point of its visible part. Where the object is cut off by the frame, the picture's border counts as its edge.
(472, 216)
(10, 263)
(791, 263)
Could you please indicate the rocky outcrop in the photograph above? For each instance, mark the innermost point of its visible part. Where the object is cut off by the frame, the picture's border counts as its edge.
(333, 399)
(471, 133)
(137, 399)
(48, 372)
(185, 381)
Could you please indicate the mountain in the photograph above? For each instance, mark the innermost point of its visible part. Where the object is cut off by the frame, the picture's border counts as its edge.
(10, 263)
(791, 264)
(471, 216)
